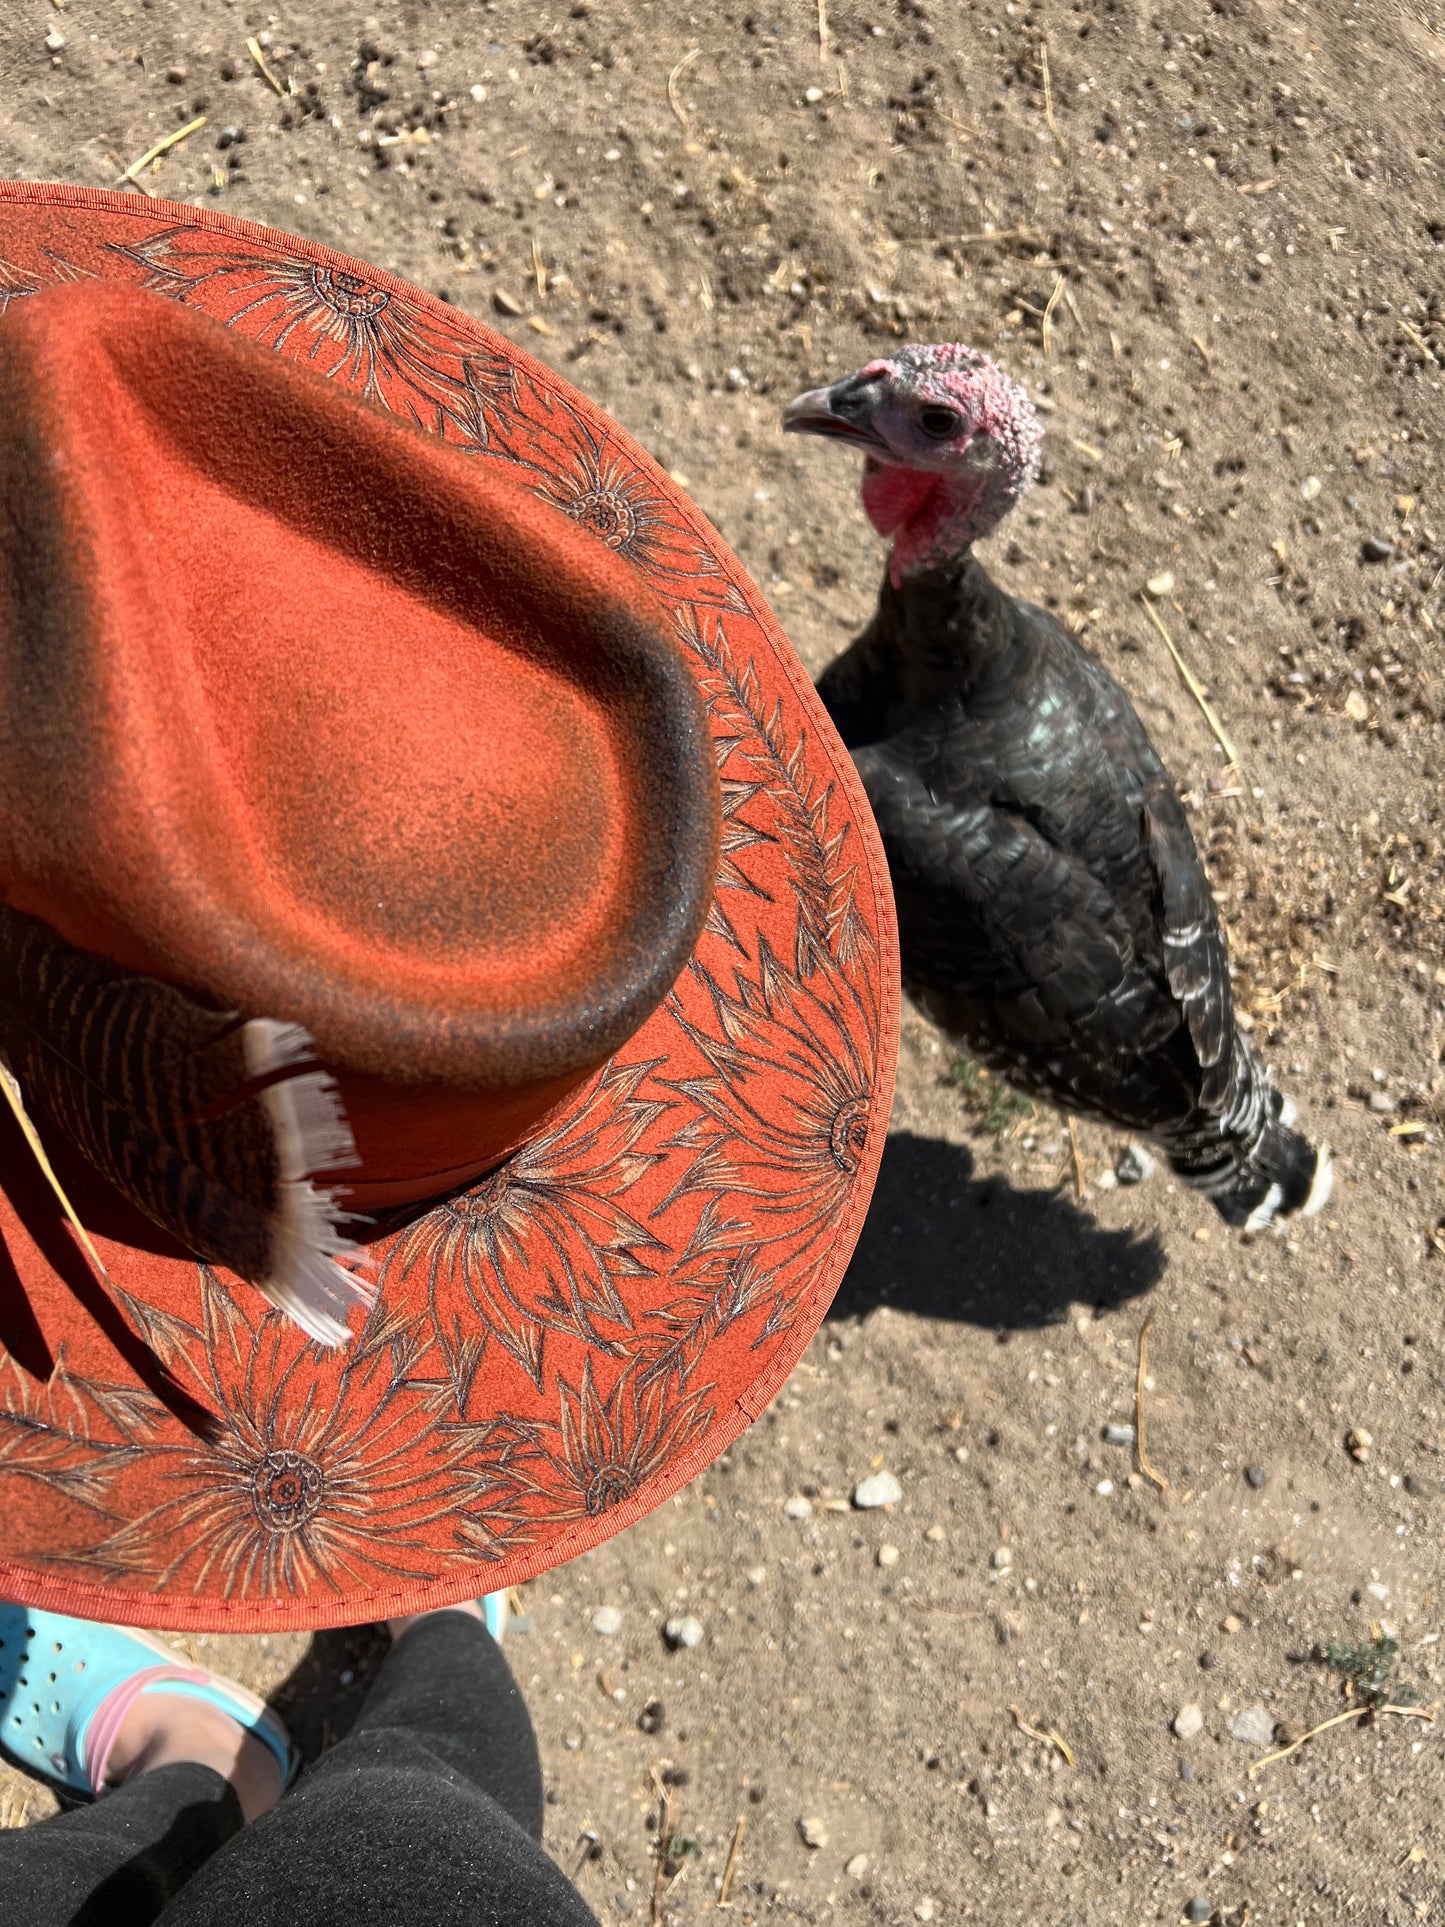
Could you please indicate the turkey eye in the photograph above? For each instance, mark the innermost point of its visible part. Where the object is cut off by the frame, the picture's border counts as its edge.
(940, 423)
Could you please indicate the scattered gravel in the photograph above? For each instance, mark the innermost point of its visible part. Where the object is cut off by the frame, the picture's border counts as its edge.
(1188, 1722)
(1254, 1725)
(879, 1490)
(683, 1632)
(1135, 1166)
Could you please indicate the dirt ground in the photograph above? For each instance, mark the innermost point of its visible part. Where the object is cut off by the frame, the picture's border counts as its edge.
(1210, 237)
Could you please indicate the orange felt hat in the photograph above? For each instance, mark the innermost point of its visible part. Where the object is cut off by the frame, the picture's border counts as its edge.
(365, 818)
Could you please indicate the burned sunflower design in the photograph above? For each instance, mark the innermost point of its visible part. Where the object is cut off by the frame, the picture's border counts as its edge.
(582, 471)
(543, 1244)
(781, 1111)
(599, 1451)
(372, 338)
(320, 1473)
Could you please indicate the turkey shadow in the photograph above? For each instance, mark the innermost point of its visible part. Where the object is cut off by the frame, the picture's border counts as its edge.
(944, 1244)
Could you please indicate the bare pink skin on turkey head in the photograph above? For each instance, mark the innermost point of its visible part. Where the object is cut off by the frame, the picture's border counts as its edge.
(951, 445)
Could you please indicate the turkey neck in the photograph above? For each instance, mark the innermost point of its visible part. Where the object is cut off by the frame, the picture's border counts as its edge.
(954, 630)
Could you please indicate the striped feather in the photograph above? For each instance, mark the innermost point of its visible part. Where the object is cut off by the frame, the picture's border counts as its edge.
(211, 1126)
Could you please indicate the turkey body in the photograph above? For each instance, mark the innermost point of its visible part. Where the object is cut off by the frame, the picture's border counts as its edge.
(1054, 915)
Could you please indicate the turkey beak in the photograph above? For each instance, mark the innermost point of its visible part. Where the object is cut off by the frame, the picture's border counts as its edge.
(843, 411)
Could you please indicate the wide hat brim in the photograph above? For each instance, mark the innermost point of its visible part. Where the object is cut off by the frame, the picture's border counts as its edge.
(556, 1350)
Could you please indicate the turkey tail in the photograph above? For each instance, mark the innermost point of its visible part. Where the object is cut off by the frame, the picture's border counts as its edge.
(212, 1127)
(1249, 1161)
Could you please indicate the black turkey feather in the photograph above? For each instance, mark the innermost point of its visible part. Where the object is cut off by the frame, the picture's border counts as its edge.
(1054, 915)
(211, 1126)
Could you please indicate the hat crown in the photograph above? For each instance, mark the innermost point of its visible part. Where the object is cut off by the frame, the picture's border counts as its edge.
(321, 719)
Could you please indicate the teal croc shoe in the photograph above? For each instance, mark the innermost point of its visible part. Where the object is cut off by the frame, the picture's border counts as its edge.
(496, 1610)
(66, 1685)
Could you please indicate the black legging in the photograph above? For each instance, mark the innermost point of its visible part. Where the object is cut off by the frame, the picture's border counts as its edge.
(428, 1812)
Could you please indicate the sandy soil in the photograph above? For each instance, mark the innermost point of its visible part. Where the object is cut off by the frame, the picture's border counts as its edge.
(1210, 235)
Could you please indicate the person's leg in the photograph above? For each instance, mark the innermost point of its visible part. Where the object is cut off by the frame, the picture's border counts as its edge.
(117, 1863)
(428, 1812)
(88, 1704)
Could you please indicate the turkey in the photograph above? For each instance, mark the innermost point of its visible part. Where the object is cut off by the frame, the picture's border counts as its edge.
(1053, 912)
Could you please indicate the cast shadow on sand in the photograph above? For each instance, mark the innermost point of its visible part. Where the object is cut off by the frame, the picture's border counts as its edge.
(944, 1244)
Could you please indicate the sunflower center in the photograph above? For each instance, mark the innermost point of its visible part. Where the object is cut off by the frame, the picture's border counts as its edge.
(849, 1135)
(608, 1486)
(609, 516)
(347, 294)
(286, 1489)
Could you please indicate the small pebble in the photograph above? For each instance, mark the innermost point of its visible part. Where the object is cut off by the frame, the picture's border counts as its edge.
(347, 1677)
(1309, 488)
(755, 1576)
(1119, 1435)
(1003, 1558)
(1105, 1488)
(176, 75)
(1255, 1475)
(857, 1866)
(685, 1632)
(888, 1556)
(1383, 1103)
(812, 95)
(1229, 1623)
(54, 41)
(1375, 548)
(797, 1507)
(1358, 1443)
(1188, 1722)
(1161, 584)
(426, 58)
(1135, 1166)
(812, 1832)
(505, 303)
(653, 1717)
(1254, 1725)
(1197, 1909)
(935, 1535)
(882, 1489)
(923, 1909)
(1208, 1661)
(607, 1620)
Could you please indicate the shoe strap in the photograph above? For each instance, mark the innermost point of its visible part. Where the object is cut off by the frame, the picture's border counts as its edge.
(102, 1729)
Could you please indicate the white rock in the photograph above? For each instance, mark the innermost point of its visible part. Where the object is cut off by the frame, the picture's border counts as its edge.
(1135, 1166)
(1161, 584)
(54, 41)
(881, 1489)
(755, 1576)
(1188, 1722)
(1309, 488)
(798, 1507)
(1003, 1558)
(812, 1831)
(888, 1556)
(812, 95)
(1105, 1488)
(607, 1621)
(857, 1866)
(1254, 1725)
(923, 1909)
(685, 1631)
